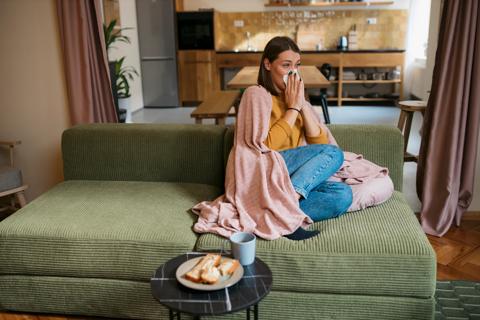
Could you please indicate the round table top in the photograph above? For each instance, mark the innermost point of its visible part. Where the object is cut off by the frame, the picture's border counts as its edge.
(412, 105)
(255, 284)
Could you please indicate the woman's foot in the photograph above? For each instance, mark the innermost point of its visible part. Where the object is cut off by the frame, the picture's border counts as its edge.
(302, 234)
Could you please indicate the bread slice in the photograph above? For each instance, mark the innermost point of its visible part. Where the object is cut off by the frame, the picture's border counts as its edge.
(210, 260)
(228, 266)
(210, 275)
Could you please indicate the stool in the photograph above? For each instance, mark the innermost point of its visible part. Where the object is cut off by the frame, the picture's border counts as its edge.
(407, 109)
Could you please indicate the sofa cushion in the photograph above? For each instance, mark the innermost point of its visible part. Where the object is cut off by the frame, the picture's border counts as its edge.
(377, 251)
(10, 178)
(101, 229)
(144, 152)
(134, 300)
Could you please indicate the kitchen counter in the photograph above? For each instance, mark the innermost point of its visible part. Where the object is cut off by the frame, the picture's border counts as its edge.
(326, 51)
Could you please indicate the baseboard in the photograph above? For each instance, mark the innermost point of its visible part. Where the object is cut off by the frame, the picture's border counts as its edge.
(469, 215)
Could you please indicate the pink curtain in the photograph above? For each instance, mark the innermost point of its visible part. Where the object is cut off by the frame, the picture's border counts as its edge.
(85, 61)
(446, 166)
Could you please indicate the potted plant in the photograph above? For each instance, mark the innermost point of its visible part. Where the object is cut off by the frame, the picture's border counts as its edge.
(121, 75)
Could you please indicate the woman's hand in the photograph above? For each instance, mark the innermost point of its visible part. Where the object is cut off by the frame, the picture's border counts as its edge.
(294, 91)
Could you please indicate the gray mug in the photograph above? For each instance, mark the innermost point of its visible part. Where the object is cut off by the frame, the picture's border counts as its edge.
(243, 247)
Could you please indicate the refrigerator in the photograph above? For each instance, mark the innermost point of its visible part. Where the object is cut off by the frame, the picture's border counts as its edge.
(156, 36)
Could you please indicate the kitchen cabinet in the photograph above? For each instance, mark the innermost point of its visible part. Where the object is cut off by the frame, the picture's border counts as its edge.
(341, 61)
(197, 75)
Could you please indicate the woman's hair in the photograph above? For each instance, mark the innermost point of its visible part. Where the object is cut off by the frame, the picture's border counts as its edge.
(271, 52)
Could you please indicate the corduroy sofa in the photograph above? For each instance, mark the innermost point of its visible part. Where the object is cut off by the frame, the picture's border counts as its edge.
(90, 245)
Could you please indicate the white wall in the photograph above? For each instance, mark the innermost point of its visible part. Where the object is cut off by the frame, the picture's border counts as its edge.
(33, 94)
(475, 206)
(128, 19)
(415, 57)
(435, 17)
(258, 5)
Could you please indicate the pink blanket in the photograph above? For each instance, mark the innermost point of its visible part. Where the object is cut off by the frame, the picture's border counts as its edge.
(370, 183)
(259, 196)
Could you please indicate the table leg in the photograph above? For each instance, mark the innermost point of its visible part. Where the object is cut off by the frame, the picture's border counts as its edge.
(408, 126)
(401, 120)
(255, 312)
(248, 313)
(323, 102)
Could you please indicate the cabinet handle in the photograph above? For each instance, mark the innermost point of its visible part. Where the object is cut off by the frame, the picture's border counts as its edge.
(156, 58)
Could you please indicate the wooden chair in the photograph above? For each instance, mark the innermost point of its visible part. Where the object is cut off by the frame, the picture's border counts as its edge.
(11, 182)
(407, 109)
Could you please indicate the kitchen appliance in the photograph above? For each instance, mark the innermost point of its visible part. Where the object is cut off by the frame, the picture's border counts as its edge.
(342, 43)
(156, 35)
(195, 30)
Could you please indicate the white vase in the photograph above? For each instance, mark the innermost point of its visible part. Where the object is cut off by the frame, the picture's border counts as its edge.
(124, 103)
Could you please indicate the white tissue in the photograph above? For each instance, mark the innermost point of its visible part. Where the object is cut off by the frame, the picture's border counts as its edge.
(285, 77)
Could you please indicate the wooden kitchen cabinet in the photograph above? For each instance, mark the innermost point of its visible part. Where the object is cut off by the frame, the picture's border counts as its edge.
(197, 75)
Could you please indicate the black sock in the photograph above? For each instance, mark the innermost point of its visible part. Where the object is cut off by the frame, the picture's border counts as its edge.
(302, 234)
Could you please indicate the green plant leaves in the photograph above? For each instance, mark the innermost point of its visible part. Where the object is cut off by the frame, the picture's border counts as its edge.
(123, 74)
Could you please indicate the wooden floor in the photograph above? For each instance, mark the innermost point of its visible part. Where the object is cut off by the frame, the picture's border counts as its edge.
(458, 252)
(458, 258)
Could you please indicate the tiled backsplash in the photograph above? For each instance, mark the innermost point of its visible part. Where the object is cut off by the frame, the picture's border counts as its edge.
(311, 27)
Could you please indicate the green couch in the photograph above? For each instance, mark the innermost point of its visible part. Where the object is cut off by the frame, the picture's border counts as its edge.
(89, 245)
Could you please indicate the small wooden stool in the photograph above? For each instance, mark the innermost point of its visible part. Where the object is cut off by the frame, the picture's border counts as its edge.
(217, 106)
(408, 108)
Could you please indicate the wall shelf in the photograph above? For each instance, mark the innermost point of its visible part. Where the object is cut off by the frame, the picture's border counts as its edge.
(330, 4)
(368, 99)
(371, 81)
(338, 61)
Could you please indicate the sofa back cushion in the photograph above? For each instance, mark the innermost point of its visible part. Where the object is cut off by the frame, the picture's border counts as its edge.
(145, 152)
(380, 144)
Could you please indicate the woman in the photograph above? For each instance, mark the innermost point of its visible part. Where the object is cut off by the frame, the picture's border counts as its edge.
(293, 120)
(276, 178)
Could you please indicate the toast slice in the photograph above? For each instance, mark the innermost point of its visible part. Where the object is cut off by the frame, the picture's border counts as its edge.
(228, 266)
(210, 275)
(210, 260)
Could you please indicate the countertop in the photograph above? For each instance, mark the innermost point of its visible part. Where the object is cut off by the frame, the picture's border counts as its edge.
(329, 51)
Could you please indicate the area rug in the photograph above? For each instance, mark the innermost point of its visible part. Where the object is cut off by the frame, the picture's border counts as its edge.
(457, 300)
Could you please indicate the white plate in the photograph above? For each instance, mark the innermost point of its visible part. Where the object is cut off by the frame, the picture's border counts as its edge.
(224, 282)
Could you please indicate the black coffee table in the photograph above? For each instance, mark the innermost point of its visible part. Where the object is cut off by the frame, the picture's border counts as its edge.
(245, 294)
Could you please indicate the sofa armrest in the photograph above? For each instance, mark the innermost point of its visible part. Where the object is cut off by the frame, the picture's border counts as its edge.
(144, 152)
(380, 144)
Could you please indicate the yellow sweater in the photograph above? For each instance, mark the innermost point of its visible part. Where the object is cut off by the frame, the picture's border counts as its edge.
(281, 136)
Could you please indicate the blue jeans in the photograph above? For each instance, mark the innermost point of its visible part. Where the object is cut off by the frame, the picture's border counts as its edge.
(309, 168)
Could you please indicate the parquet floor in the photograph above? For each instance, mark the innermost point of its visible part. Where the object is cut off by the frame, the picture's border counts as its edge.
(458, 252)
(458, 258)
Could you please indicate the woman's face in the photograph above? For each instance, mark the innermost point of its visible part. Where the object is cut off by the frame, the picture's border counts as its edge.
(285, 62)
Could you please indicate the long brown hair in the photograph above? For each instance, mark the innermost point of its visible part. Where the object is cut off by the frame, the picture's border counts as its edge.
(271, 52)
